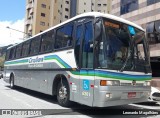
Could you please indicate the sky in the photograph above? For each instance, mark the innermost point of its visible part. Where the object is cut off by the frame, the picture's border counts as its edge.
(12, 14)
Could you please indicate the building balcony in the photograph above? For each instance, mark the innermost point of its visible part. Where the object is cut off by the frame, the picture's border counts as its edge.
(29, 6)
(31, 10)
(30, 1)
(30, 27)
(28, 22)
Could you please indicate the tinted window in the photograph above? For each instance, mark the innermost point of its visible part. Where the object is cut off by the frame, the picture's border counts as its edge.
(25, 48)
(47, 41)
(77, 45)
(7, 54)
(150, 2)
(18, 51)
(87, 51)
(35, 44)
(12, 53)
(128, 6)
(64, 37)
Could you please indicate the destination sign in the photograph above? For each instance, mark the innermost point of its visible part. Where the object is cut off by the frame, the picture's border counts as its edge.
(110, 24)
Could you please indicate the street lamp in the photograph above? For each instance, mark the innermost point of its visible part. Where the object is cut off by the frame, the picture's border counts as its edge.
(18, 31)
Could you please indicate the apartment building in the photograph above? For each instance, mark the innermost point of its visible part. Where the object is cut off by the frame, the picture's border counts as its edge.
(65, 9)
(42, 14)
(103, 6)
(37, 16)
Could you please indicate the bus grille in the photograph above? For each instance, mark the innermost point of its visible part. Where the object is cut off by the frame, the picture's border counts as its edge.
(130, 84)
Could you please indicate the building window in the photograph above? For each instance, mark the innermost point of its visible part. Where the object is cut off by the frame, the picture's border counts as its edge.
(84, 10)
(99, 5)
(43, 5)
(66, 9)
(66, 16)
(128, 6)
(104, 4)
(150, 2)
(43, 14)
(84, 3)
(64, 37)
(42, 23)
(67, 2)
(153, 32)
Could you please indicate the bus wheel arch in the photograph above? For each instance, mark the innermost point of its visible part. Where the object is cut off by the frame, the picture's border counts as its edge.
(62, 90)
(12, 81)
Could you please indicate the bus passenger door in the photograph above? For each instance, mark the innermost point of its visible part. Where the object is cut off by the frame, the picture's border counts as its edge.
(86, 81)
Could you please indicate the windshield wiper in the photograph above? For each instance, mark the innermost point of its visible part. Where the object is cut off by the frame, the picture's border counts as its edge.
(130, 55)
(125, 63)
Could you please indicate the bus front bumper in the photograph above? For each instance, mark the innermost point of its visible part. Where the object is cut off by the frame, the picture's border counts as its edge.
(112, 96)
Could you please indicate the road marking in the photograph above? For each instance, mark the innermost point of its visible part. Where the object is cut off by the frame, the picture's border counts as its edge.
(16, 99)
(146, 107)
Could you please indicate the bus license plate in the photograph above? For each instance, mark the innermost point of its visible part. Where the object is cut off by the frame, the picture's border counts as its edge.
(131, 94)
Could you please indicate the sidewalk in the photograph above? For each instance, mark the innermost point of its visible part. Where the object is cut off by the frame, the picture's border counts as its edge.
(156, 82)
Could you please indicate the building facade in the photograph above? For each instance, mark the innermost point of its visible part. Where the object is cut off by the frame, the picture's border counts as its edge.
(65, 9)
(37, 16)
(43, 14)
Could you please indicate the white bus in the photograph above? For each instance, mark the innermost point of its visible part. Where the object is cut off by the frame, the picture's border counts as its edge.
(93, 59)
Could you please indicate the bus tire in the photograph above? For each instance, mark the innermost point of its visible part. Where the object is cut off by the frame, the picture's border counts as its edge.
(12, 82)
(63, 93)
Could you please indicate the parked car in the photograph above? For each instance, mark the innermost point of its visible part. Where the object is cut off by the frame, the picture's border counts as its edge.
(155, 94)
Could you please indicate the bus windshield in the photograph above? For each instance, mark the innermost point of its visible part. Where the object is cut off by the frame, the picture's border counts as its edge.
(123, 47)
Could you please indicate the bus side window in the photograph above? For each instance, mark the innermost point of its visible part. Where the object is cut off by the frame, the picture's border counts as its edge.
(77, 44)
(47, 42)
(18, 51)
(12, 53)
(25, 48)
(35, 44)
(64, 36)
(7, 55)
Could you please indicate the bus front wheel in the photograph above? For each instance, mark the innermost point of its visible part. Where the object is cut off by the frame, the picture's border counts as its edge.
(12, 82)
(63, 93)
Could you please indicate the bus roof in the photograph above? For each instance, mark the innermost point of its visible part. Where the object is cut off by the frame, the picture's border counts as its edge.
(89, 14)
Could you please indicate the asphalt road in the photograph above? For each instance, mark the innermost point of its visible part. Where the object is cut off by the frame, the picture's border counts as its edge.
(26, 103)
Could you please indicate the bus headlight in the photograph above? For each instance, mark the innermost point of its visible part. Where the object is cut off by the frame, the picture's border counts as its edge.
(147, 83)
(109, 82)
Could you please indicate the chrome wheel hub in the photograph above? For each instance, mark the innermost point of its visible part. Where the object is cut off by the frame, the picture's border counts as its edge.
(63, 92)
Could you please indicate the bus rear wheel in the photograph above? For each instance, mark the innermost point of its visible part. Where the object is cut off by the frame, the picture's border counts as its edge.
(63, 94)
(12, 82)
